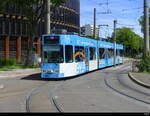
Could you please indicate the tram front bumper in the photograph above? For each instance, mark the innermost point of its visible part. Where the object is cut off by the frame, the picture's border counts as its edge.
(52, 75)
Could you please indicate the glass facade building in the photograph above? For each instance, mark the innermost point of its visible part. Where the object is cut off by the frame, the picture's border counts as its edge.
(14, 27)
(67, 16)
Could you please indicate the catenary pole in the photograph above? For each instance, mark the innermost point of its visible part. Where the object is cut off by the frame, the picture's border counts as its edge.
(94, 26)
(114, 39)
(146, 28)
(48, 20)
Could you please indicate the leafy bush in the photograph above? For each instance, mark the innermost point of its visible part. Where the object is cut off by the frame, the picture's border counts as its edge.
(12, 61)
(7, 62)
(144, 65)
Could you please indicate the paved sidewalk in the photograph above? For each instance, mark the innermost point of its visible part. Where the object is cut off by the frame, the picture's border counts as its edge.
(140, 78)
(18, 72)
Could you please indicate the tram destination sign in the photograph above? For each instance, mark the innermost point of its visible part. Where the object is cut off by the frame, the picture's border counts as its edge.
(51, 40)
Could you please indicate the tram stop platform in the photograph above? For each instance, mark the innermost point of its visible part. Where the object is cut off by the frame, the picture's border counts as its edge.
(142, 79)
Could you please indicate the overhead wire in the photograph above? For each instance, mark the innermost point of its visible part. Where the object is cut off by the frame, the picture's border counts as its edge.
(123, 11)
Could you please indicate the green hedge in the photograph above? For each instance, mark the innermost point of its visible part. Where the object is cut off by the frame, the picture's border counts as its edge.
(7, 62)
(144, 65)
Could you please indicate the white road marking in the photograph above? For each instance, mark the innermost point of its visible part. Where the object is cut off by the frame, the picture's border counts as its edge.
(2, 86)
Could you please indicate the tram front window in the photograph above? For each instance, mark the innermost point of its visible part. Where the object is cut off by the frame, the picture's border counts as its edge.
(53, 54)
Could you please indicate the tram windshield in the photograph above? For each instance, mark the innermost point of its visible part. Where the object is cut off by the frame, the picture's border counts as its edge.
(53, 54)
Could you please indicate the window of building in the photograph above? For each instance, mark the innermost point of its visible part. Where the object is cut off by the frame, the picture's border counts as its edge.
(13, 47)
(1, 27)
(2, 47)
(7, 27)
(101, 53)
(92, 53)
(24, 28)
(2, 43)
(24, 48)
(18, 28)
(13, 27)
(69, 54)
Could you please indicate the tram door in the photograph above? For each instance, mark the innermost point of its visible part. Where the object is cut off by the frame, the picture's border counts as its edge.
(87, 58)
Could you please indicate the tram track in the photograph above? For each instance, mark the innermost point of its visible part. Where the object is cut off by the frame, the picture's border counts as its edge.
(54, 90)
(124, 94)
(11, 93)
(51, 92)
(29, 95)
(127, 90)
(118, 77)
(29, 91)
(53, 98)
(19, 91)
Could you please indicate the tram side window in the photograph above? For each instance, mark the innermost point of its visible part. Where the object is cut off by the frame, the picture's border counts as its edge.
(69, 54)
(117, 52)
(45, 56)
(121, 53)
(79, 54)
(92, 53)
(111, 53)
(101, 53)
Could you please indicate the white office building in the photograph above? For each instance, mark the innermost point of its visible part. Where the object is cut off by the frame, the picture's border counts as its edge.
(87, 30)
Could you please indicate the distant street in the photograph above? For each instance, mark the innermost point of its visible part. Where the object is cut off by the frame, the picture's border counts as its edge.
(106, 90)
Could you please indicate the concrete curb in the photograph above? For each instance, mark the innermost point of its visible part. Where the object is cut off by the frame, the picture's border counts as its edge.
(138, 81)
(17, 73)
(22, 70)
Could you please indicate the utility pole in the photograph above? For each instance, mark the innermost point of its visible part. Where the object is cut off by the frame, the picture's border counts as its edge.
(114, 37)
(146, 27)
(47, 17)
(94, 26)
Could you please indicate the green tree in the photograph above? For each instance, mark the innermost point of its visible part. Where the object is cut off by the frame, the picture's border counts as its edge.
(133, 43)
(34, 11)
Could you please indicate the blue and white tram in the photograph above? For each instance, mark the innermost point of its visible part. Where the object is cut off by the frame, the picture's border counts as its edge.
(71, 55)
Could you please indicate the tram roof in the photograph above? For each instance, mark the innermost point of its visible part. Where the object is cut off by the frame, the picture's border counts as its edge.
(76, 40)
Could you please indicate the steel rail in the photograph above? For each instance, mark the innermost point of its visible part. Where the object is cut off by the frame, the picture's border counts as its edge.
(124, 94)
(29, 95)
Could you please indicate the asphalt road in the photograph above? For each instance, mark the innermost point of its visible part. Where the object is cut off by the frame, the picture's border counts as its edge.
(13, 95)
(106, 90)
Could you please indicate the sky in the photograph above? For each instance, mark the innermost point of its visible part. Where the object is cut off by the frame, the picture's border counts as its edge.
(126, 12)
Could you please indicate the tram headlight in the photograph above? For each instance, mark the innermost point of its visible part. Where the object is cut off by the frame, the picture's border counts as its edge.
(57, 71)
(54, 71)
(50, 71)
(44, 71)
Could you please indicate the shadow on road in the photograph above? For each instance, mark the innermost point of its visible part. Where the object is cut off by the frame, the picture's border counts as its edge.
(37, 77)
